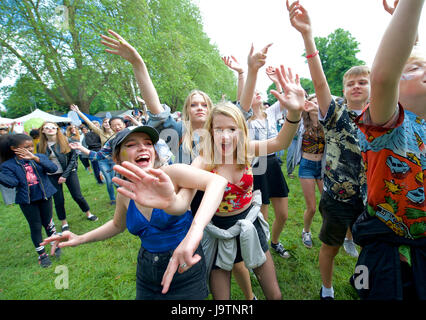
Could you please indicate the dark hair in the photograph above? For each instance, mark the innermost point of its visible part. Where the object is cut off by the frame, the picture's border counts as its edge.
(35, 133)
(8, 141)
(115, 118)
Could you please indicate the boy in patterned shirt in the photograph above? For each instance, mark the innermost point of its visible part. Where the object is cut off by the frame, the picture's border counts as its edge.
(344, 193)
(392, 230)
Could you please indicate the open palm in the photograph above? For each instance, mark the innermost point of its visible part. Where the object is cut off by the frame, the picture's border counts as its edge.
(150, 187)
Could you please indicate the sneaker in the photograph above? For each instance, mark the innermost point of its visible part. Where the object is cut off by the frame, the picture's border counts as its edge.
(112, 202)
(307, 239)
(58, 253)
(279, 248)
(92, 218)
(44, 260)
(350, 249)
(65, 227)
(325, 298)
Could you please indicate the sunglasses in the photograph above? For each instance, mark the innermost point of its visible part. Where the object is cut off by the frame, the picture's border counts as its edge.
(50, 127)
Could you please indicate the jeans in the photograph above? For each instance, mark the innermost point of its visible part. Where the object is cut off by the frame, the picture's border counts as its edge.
(106, 168)
(73, 185)
(96, 171)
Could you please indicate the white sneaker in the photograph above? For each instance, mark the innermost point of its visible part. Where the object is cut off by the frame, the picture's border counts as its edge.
(307, 239)
(350, 248)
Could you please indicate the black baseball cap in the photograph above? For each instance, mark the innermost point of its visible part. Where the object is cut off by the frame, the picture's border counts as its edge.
(120, 136)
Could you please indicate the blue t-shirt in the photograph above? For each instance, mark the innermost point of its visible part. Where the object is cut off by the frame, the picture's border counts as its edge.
(163, 232)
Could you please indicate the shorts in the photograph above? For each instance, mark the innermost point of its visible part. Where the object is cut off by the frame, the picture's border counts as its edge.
(337, 217)
(272, 183)
(189, 285)
(309, 169)
(228, 222)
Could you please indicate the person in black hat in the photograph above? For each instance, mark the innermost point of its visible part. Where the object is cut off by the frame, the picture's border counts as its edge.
(160, 223)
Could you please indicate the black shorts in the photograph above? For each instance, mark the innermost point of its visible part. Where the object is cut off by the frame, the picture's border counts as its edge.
(272, 183)
(228, 222)
(337, 217)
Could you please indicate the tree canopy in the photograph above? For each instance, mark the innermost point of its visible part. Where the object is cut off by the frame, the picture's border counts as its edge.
(54, 49)
(338, 53)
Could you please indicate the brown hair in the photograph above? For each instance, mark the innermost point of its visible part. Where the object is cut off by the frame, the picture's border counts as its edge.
(60, 139)
(356, 71)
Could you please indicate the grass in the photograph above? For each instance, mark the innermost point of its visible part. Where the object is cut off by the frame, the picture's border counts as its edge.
(106, 270)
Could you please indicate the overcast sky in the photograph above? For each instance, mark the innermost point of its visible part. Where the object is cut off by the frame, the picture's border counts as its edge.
(234, 24)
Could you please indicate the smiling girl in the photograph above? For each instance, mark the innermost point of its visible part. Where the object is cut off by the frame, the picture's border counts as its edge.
(161, 225)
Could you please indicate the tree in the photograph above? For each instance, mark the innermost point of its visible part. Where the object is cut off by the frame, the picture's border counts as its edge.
(57, 45)
(338, 53)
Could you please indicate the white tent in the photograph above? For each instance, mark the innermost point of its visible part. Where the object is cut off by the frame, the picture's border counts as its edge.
(37, 113)
(6, 120)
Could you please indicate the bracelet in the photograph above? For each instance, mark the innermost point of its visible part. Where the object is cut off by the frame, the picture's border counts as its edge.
(312, 55)
(293, 122)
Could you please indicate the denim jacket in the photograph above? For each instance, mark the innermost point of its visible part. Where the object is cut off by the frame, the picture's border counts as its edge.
(13, 175)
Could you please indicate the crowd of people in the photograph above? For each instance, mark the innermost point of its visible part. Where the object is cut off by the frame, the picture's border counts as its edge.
(196, 189)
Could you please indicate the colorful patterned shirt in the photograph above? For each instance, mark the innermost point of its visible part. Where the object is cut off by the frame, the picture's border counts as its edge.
(344, 175)
(396, 158)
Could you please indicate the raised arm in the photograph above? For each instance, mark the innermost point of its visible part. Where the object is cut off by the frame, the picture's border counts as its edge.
(123, 49)
(392, 54)
(271, 73)
(293, 99)
(300, 20)
(232, 63)
(254, 61)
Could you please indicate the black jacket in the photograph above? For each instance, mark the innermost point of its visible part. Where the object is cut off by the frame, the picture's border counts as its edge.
(68, 161)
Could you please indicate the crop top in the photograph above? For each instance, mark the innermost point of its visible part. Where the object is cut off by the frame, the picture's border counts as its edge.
(163, 232)
(313, 143)
(237, 196)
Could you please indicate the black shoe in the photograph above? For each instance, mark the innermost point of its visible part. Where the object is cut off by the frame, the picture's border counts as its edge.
(44, 261)
(58, 253)
(65, 227)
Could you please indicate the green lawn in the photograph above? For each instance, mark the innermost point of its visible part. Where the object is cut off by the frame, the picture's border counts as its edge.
(106, 270)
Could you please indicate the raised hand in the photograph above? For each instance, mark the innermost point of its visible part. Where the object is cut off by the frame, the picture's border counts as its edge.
(388, 8)
(120, 47)
(293, 96)
(75, 108)
(299, 17)
(148, 187)
(270, 72)
(257, 60)
(232, 63)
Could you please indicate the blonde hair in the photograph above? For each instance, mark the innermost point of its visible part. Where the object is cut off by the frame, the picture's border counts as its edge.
(60, 139)
(207, 148)
(70, 135)
(188, 130)
(356, 71)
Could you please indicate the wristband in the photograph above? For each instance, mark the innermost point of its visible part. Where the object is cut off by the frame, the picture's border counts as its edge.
(293, 122)
(312, 55)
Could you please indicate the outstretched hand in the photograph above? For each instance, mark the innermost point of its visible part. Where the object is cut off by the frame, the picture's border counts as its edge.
(120, 47)
(75, 108)
(299, 17)
(66, 239)
(293, 96)
(148, 187)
